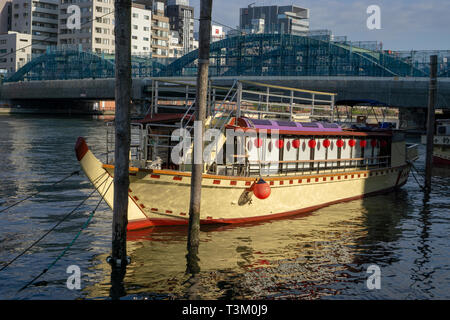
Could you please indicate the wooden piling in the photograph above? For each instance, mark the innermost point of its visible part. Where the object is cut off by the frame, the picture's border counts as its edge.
(430, 121)
(200, 115)
(122, 130)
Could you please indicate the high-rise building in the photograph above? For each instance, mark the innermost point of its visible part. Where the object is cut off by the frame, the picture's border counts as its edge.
(39, 18)
(15, 50)
(96, 31)
(181, 20)
(5, 16)
(141, 33)
(160, 31)
(289, 19)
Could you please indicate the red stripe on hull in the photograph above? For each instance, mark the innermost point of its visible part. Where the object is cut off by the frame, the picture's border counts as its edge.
(441, 161)
(146, 223)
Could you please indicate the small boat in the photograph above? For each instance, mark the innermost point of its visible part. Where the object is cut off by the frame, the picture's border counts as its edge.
(261, 164)
(441, 149)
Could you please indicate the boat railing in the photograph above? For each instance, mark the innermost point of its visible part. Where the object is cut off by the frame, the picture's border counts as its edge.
(267, 168)
(263, 100)
(137, 142)
(249, 98)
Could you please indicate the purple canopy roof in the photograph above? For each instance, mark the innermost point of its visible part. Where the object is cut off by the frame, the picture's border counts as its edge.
(290, 125)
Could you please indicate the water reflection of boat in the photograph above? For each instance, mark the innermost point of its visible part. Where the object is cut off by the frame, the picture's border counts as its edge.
(316, 247)
(276, 168)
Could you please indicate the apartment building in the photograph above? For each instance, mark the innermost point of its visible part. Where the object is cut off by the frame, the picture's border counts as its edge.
(96, 32)
(39, 18)
(141, 33)
(289, 19)
(160, 31)
(181, 20)
(15, 50)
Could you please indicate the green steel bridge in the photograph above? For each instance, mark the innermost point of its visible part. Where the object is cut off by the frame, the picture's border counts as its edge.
(256, 55)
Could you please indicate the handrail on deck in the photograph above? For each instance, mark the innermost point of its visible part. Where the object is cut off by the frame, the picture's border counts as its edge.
(319, 160)
(287, 88)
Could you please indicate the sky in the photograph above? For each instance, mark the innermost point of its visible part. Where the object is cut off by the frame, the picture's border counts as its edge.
(405, 24)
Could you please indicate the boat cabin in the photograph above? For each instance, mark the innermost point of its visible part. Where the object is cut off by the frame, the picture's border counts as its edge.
(261, 132)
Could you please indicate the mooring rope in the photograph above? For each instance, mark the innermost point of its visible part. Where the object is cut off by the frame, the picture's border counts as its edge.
(422, 187)
(36, 193)
(91, 215)
(56, 225)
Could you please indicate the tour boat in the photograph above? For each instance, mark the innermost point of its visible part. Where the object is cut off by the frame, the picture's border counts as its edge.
(284, 167)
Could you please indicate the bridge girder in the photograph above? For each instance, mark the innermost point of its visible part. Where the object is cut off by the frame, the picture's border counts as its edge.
(247, 55)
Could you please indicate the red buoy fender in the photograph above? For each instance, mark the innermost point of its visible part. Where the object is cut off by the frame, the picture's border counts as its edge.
(261, 189)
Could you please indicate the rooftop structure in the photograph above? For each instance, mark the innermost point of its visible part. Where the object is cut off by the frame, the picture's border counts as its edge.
(288, 19)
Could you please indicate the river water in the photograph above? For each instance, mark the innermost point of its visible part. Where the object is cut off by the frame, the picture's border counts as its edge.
(321, 255)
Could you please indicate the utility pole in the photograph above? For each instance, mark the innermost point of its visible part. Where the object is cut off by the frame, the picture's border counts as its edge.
(122, 135)
(430, 121)
(200, 115)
